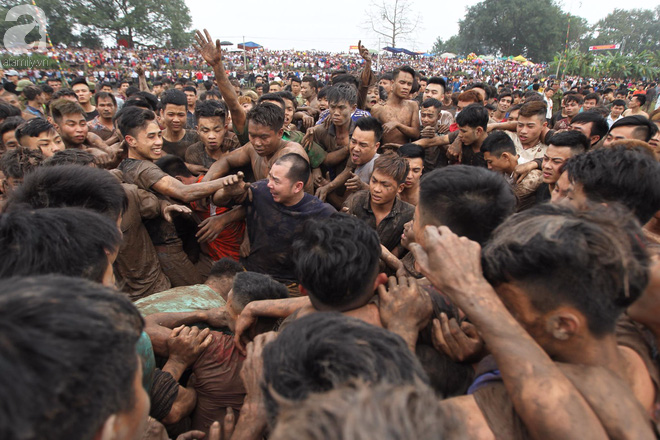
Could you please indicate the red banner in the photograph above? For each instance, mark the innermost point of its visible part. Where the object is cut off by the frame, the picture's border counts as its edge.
(605, 47)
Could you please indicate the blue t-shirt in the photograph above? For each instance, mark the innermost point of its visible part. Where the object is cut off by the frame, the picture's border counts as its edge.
(272, 228)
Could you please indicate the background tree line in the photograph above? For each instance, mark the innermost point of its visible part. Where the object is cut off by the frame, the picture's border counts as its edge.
(88, 23)
(536, 29)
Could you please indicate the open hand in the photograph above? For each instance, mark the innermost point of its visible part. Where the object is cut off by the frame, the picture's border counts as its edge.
(212, 53)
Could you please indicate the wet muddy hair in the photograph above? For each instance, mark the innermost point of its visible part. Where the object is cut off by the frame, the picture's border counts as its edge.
(326, 350)
(336, 260)
(394, 166)
(70, 332)
(593, 260)
(471, 201)
(267, 114)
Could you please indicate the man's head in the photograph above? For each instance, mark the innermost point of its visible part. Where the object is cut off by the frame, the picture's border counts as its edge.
(561, 146)
(342, 102)
(211, 123)
(404, 77)
(290, 106)
(549, 92)
(618, 107)
(572, 104)
(471, 201)
(435, 88)
(55, 83)
(591, 124)
(324, 351)
(467, 98)
(631, 127)
(499, 152)
(365, 140)
(71, 156)
(123, 86)
(106, 104)
(69, 119)
(387, 179)
(385, 81)
(248, 287)
(265, 128)
(176, 167)
(566, 275)
(34, 95)
(472, 123)
(39, 134)
(531, 121)
(8, 132)
(141, 133)
(414, 155)
(309, 87)
(10, 98)
(430, 112)
(504, 101)
(174, 106)
(69, 185)
(513, 113)
(191, 96)
(295, 86)
(287, 179)
(67, 94)
(40, 321)
(322, 97)
(68, 241)
(15, 164)
(627, 176)
(590, 101)
(82, 90)
(637, 101)
(222, 273)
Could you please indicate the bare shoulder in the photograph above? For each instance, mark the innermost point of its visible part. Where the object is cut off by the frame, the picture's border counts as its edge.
(293, 147)
(464, 418)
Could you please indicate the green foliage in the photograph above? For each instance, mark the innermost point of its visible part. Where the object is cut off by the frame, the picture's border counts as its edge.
(142, 22)
(636, 30)
(608, 65)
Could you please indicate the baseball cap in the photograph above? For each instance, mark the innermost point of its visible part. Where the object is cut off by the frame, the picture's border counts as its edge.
(23, 84)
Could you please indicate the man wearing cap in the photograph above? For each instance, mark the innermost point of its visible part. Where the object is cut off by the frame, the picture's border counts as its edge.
(10, 81)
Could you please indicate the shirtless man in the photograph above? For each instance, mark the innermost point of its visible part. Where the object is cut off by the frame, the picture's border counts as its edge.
(635, 106)
(399, 115)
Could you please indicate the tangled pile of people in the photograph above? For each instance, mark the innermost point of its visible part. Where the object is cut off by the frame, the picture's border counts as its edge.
(377, 257)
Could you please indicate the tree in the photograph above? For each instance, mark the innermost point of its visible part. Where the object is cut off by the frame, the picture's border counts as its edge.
(453, 45)
(140, 22)
(533, 28)
(636, 30)
(57, 17)
(393, 20)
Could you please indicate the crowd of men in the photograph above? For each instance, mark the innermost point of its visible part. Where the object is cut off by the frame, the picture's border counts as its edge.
(378, 256)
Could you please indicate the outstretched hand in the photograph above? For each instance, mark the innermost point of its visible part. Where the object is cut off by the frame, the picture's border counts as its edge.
(364, 52)
(212, 53)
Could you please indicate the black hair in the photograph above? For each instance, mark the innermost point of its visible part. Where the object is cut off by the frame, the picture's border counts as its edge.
(225, 267)
(406, 69)
(432, 102)
(437, 80)
(7, 110)
(641, 98)
(296, 79)
(323, 351)
(312, 82)
(105, 95)
(388, 76)
(33, 128)
(67, 344)
(645, 130)
(411, 151)
(594, 96)
(336, 260)
(11, 124)
(190, 88)
(473, 116)
(31, 92)
(253, 286)
(213, 92)
(573, 139)
(574, 97)
(267, 114)
(71, 185)
(210, 109)
(323, 93)
(619, 175)
(70, 156)
(131, 90)
(20, 161)
(471, 201)
(66, 241)
(79, 80)
(342, 93)
(174, 166)
(497, 143)
(285, 94)
(346, 78)
(369, 123)
(299, 171)
(619, 103)
(62, 107)
(599, 125)
(593, 260)
(174, 97)
(132, 119)
(61, 93)
(272, 97)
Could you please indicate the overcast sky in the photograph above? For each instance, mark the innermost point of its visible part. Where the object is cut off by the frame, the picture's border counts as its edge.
(337, 24)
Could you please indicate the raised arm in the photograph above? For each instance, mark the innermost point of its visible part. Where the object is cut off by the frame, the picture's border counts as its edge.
(212, 54)
(366, 77)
